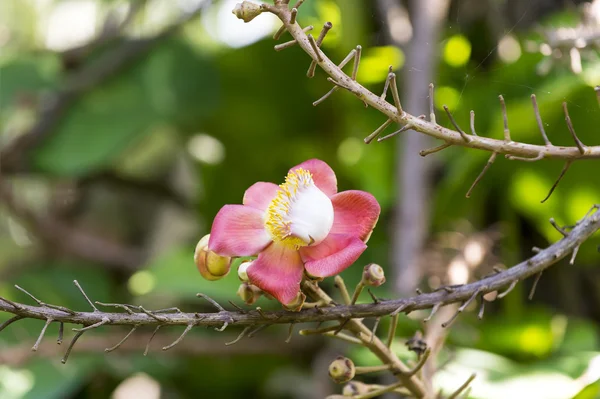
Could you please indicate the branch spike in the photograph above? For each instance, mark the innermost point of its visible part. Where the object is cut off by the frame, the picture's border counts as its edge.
(395, 94)
(480, 176)
(562, 173)
(512, 285)
(578, 142)
(538, 119)
(239, 337)
(105, 320)
(434, 310)
(422, 359)
(504, 119)
(315, 48)
(313, 64)
(178, 340)
(538, 157)
(70, 347)
(356, 61)
(293, 14)
(40, 303)
(534, 286)
(464, 386)
(386, 85)
(39, 340)
(121, 342)
(430, 151)
(464, 306)
(431, 109)
(85, 295)
(377, 131)
(61, 331)
(392, 331)
(472, 123)
(10, 321)
(283, 46)
(464, 136)
(211, 301)
(150, 339)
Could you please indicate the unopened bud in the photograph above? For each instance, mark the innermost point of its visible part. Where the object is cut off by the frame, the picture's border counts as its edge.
(243, 270)
(249, 293)
(297, 303)
(247, 10)
(341, 370)
(210, 265)
(373, 275)
(355, 388)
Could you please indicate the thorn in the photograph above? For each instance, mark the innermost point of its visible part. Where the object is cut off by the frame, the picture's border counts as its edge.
(464, 386)
(538, 119)
(37, 343)
(392, 331)
(61, 331)
(430, 151)
(558, 228)
(374, 330)
(377, 131)
(481, 308)
(257, 329)
(534, 286)
(150, 340)
(279, 32)
(121, 342)
(291, 43)
(431, 109)
(178, 340)
(293, 14)
(212, 301)
(330, 92)
(480, 176)
(402, 308)
(71, 345)
(386, 84)
(356, 61)
(434, 310)
(562, 173)
(239, 337)
(10, 321)
(464, 306)
(419, 365)
(116, 305)
(504, 118)
(508, 290)
(575, 251)
(313, 64)
(105, 320)
(85, 295)
(40, 303)
(472, 123)
(464, 136)
(578, 142)
(395, 94)
(290, 332)
(538, 157)
(315, 48)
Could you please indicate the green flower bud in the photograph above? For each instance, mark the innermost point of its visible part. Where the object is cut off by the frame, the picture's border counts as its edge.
(373, 275)
(249, 293)
(210, 265)
(247, 10)
(341, 370)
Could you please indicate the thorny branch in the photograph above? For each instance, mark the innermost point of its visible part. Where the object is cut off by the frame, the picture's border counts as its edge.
(137, 316)
(512, 150)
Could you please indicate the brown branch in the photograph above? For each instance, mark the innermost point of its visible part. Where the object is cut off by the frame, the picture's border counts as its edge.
(396, 114)
(539, 262)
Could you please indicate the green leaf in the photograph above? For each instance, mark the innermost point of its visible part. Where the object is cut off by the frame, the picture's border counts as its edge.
(173, 84)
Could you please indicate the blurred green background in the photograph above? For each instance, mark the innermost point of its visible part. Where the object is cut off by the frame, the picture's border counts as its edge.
(126, 125)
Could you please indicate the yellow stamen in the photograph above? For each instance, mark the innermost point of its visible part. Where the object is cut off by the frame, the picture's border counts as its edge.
(277, 221)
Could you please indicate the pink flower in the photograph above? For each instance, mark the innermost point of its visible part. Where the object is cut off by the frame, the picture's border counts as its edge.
(302, 225)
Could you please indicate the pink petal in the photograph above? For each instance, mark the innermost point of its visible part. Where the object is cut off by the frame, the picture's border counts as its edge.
(238, 230)
(323, 175)
(355, 213)
(333, 255)
(260, 194)
(278, 271)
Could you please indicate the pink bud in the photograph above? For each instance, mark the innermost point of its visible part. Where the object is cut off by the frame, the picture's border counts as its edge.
(341, 370)
(373, 275)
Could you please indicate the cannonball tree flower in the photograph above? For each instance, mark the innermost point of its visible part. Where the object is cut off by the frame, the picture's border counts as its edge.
(303, 225)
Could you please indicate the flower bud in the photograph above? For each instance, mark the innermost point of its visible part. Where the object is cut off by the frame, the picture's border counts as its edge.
(247, 10)
(210, 265)
(355, 388)
(249, 293)
(341, 370)
(297, 303)
(243, 270)
(373, 275)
